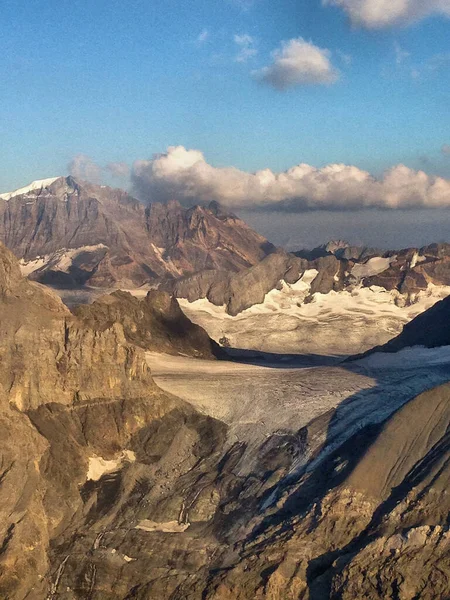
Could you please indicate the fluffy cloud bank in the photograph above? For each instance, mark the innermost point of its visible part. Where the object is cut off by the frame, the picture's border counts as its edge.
(376, 14)
(185, 175)
(298, 62)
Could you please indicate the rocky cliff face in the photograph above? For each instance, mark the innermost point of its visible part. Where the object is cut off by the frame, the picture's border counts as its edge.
(154, 323)
(76, 401)
(69, 233)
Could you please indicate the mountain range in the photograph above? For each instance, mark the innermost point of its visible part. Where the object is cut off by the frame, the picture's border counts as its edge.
(113, 489)
(71, 233)
(138, 462)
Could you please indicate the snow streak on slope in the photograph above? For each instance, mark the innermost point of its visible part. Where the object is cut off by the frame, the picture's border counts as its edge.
(61, 260)
(337, 323)
(35, 185)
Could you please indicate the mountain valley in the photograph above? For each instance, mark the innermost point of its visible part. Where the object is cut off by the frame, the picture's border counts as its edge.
(262, 425)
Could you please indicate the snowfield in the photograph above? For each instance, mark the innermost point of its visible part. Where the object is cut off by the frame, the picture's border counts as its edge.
(337, 323)
(374, 266)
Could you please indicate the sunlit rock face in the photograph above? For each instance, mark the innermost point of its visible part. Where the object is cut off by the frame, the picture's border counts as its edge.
(68, 232)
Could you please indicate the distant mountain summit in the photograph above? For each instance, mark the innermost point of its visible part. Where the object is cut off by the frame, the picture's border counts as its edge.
(70, 232)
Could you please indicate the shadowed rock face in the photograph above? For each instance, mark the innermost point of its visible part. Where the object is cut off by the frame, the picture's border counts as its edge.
(102, 236)
(111, 489)
(155, 323)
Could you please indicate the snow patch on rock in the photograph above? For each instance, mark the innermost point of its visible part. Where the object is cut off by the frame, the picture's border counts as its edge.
(61, 260)
(169, 527)
(98, 466)
(374, 266)
(34, 185)
(29, 266)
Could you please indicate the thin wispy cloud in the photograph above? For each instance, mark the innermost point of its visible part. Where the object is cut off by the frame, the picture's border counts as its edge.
(431, 67)
(118, 169)
(446, 149)
(400, 54)
(186, 175)
(345, 58)
(247, 47)
(377, 14)
(243, 5)
(83, 167)
(202, 37)
(298, 62)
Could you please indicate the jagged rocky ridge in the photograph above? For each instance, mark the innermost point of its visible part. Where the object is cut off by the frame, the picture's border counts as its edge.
(111, 489)
(239, 291)
(70, 232)
(154, 323)
(405, 273)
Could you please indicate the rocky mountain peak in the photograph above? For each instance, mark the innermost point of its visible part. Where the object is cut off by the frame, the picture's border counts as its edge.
(71, 232)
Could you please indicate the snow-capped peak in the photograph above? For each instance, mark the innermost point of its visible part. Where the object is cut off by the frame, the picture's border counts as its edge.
(35, 185)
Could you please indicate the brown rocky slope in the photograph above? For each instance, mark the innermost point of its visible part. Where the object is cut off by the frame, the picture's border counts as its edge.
(71, 398)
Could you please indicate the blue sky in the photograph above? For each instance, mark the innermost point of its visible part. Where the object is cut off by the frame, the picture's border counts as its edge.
(119, 81)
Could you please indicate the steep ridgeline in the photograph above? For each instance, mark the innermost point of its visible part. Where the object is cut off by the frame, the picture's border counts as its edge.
(113, 490)
(69, 232)
(154, 323)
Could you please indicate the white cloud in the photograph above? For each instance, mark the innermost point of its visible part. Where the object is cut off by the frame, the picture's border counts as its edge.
(202, 37)
(298, 62)
(185, 175)
(376, 14)
(83, 167)
(118, 169)
(247, 49)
